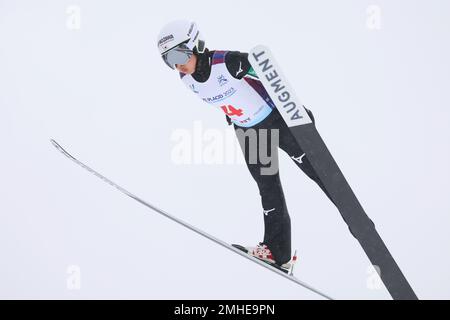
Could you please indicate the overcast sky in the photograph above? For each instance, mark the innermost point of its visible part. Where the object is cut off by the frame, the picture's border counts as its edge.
(376, 74)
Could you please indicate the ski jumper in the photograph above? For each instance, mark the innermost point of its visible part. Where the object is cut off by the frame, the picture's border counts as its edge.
(226, 80)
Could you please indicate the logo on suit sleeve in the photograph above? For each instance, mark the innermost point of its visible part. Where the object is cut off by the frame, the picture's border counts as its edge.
(240, 68)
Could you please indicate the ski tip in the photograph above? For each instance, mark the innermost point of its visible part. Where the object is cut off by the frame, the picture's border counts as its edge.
(55, 144)
(59, 148)
(259, 48)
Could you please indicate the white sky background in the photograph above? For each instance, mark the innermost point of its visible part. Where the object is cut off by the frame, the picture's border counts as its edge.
(381, 102)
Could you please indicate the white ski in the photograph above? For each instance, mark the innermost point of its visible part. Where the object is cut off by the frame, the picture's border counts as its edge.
(192, 228)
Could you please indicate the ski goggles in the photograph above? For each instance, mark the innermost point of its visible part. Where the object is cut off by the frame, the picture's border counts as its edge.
(178, 55)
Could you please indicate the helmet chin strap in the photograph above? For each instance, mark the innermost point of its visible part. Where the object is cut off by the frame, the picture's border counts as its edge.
(201, 46)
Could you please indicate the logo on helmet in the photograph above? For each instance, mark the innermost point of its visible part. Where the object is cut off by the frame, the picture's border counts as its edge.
(166, 39)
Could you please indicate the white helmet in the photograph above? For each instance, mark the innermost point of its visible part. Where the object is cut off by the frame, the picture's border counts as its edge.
(177, 42)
